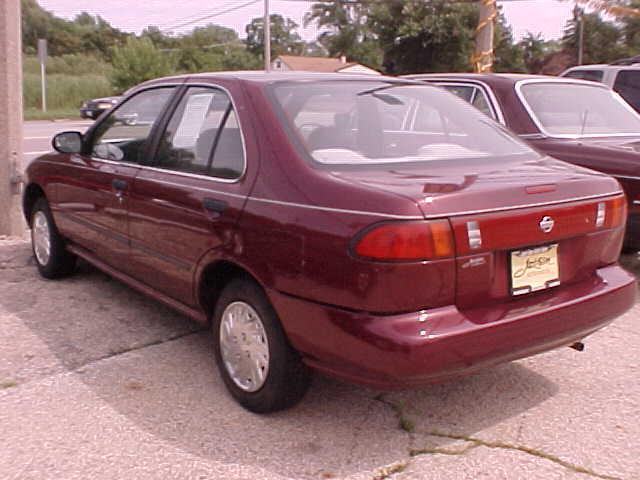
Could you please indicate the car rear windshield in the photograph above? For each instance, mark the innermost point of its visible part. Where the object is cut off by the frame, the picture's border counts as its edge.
(576, 110)
(373, 122)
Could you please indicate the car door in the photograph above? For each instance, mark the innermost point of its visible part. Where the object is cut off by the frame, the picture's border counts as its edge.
(188, 203)
(94, 197)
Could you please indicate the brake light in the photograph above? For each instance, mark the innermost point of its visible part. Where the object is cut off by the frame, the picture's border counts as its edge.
(615, 212)
(406, 241)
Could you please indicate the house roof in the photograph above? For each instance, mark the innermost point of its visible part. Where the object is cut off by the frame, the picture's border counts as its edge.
(315, 64)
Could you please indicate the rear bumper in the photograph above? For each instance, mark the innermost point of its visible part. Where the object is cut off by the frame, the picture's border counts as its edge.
(409, 350)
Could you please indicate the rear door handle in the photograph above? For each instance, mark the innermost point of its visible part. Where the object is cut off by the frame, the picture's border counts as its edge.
(214, 206)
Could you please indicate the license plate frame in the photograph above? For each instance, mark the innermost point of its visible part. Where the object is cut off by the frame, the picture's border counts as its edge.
(534, 269)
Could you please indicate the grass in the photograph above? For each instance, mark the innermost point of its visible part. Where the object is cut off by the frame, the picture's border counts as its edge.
(33, 114)
(71, 79)
(64, 92)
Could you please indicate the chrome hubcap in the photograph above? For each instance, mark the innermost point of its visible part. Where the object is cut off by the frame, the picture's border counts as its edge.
(41, 238)
(244, 346)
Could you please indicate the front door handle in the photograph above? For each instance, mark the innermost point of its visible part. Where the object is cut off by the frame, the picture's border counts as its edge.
(119, 185)
(214, 206)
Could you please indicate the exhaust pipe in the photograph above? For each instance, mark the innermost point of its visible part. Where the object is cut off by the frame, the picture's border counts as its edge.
(579, 346)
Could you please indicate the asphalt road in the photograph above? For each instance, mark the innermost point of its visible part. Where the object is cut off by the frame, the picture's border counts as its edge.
(97, 381)
(38, 135)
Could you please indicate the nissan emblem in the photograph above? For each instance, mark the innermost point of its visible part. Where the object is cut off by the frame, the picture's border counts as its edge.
(546, 224)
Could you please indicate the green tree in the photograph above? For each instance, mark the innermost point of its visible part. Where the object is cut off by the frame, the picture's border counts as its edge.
(424, 35)
(535, 50)
(508, 55)
(136, 61)
(602, 40)
(346, 31)
(284, 39)
(86, 34)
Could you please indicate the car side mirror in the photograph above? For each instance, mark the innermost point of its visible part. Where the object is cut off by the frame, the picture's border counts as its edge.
(68, 142)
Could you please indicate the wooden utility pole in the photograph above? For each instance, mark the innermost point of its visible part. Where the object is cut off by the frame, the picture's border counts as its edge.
(483, 55)
(267, 37)
(11, 222)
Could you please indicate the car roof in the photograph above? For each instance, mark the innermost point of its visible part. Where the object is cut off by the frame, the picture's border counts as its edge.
(502, 78)
(603, 66)
(260, 76)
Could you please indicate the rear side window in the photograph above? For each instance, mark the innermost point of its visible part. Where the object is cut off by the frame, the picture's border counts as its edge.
(474, 95)
(203, 136)
(628, 86)
(591, 75)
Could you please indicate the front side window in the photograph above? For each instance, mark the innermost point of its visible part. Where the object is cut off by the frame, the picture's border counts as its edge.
(123, 135)
(203, 136)
(628, 86)
(577, 110)
(374, 122)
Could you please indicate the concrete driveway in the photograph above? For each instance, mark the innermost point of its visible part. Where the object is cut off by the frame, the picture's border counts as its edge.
(99, 382)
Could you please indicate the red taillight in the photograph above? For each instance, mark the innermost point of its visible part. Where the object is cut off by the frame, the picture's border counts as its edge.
(406, 241)
(615, 212)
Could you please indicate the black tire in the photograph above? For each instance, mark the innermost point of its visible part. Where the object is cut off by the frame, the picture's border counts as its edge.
(60, 262)
(287, 378)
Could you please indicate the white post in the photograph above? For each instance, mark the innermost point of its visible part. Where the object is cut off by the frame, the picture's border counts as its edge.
(267, 37)
(43, 85)
(11, 222)
(42, 56)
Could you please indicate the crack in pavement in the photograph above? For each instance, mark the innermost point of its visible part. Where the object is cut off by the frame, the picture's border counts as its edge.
(122, 351)
(10, 385)
(472, 443)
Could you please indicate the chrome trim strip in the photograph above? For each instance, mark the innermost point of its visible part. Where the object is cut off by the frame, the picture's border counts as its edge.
(530, 205)
(338, 210)
(192, 175)
(520, 83)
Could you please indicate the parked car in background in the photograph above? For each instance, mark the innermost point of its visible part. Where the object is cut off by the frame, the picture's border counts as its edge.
(622, 76)
(95, 107)
(371, 228)
(584, 123)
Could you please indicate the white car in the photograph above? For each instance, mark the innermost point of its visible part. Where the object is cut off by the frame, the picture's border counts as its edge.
(622, 76)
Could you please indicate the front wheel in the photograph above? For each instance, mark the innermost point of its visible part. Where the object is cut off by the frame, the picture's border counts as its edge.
(259, 367)
(52, 258)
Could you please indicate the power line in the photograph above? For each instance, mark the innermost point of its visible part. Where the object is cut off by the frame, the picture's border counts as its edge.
(197, 14)
(213, 15)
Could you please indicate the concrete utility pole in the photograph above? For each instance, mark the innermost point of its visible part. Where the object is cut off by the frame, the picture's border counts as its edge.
(11, 222)
(267, 37)
(483, 55)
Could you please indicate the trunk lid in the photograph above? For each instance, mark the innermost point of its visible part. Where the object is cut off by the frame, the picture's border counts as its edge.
(520, 213)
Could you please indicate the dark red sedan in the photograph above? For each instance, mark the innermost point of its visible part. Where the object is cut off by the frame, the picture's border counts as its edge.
(370, 228)
(580, 122)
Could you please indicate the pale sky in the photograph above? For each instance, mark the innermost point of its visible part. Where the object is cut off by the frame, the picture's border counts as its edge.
(545, 16)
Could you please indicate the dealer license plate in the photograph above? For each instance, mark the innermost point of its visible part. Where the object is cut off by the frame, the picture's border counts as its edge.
(534, 269)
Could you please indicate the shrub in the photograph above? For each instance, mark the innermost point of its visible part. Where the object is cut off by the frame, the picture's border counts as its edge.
(138, 60)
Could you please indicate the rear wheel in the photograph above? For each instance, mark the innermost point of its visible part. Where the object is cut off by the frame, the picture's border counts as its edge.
(52, 258)
(259, 367)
